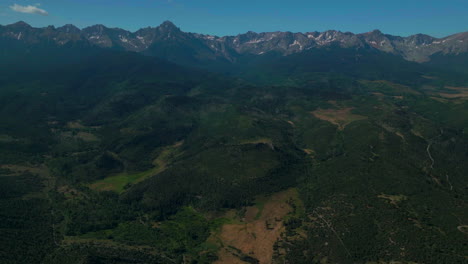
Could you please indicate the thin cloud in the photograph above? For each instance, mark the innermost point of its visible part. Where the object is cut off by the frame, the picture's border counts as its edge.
(29, 9)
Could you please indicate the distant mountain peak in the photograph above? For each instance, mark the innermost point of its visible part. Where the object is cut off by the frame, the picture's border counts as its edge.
(20, 24)
(69, 28)
(148, 40)
(168, 25)
(420, 39)
(375, 32)
(98, 27)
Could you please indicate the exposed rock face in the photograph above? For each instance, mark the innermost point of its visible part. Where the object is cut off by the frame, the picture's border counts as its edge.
(152, 40)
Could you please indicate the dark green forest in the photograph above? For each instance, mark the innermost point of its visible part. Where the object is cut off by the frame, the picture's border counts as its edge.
(109, 156)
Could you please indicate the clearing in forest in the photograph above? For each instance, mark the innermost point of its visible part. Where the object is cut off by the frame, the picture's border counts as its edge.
(340, 117)
(393, 199)
(118, 182)
(388, 88)
(458, 92)
(463, 229)
(253, 237)
(265, 141)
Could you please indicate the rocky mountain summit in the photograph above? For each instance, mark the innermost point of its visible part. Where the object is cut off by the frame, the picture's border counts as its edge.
(167, 39)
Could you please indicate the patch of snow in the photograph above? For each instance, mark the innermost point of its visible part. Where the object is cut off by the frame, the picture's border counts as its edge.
(123, 39)
(296, 43)
(272, 36)
(255, 41)
(141, 39)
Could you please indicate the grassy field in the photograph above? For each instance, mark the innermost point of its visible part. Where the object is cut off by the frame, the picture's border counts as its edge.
(339, 117)
(252, 236)
(118, 182)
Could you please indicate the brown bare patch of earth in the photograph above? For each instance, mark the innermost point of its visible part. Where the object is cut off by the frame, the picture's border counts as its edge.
(69, 192)
(393, 199)
(19, 169)
(309, 152)
(85, 136)
(392, 130)
(463, 229)
(258, 231)
(340, 117)
(417, 133)
(265, 141)
(75, 125)
(438, 99)
(459, 92)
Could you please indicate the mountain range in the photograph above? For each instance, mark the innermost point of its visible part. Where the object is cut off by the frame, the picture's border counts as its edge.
(161, 146)
(168, 41)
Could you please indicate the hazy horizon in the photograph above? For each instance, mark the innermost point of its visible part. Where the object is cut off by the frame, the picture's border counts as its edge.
(435, 18)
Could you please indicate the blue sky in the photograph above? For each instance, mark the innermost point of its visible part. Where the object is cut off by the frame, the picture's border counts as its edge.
(220, 17)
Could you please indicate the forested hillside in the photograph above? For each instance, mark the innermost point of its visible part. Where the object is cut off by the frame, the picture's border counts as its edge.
(337, 155)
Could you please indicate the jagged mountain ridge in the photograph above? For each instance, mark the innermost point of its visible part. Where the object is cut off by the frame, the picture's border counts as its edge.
(159, 41)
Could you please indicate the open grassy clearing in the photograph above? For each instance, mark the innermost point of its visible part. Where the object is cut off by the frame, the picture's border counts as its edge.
(339, 117)
(85, 136)
(382, 87)
(7, 138)
(463, 229)
(41, 170)
(253, 237)
(118, 182)
(257, 141)
(79, 126)
(265, 141)
(393, 199)
(458, 92)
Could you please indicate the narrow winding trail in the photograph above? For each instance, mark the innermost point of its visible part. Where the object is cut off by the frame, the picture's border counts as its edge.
(334, 231)
(448, 180)
(428, 150)
(430, 156)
